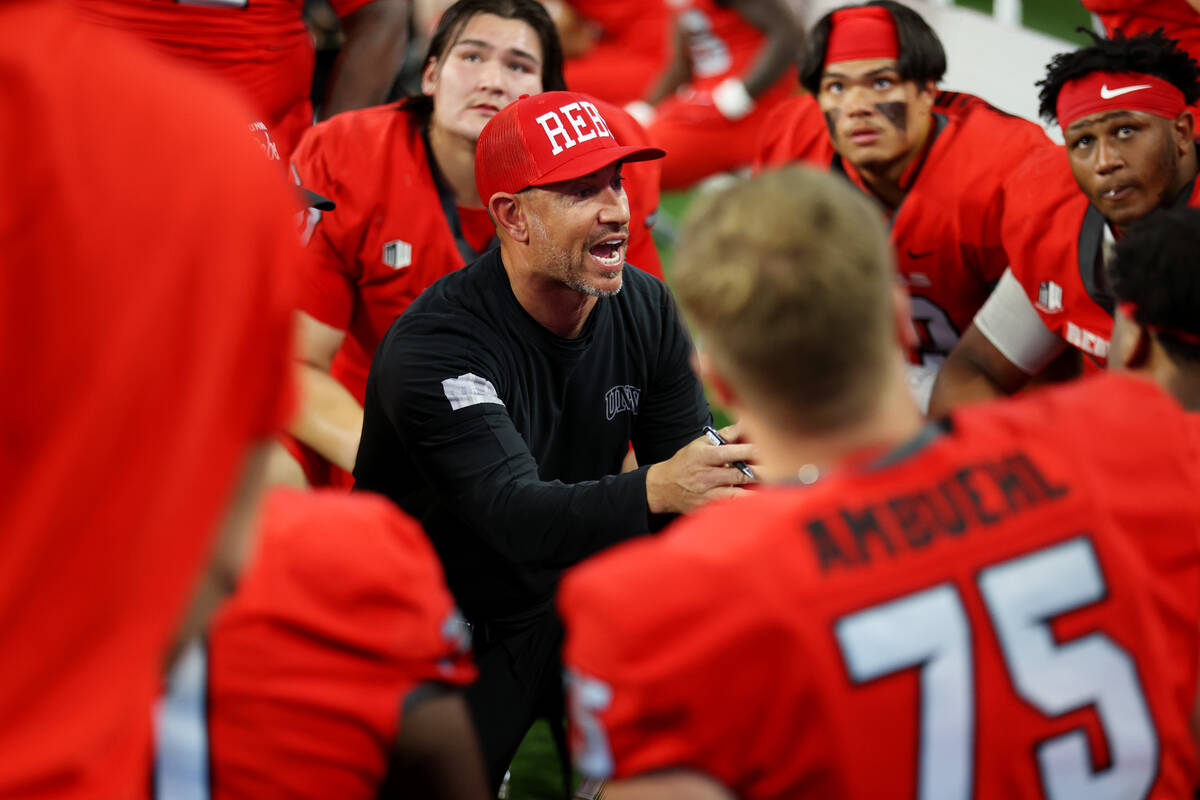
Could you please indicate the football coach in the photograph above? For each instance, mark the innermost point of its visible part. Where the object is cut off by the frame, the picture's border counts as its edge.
(501, 404)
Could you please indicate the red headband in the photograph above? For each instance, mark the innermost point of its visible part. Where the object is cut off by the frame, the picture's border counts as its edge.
(1110, 91)
(862, 32)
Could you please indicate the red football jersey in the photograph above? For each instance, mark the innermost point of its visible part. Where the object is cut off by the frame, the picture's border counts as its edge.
(720, 42)
(342, 614)
(947, 231)
(1007, 607)
(145, 309)
(1054, 240)
(389, 238)
(699, 141)
(260, 47)
(1177, 18)
(630, 54)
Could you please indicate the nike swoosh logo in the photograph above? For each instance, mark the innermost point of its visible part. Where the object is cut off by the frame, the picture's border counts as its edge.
(913, 255)
(1109, 94)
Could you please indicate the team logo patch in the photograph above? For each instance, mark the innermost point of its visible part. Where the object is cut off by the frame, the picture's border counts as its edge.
(621, 398)
(397, 254)
(468, 390)
(1049, 297)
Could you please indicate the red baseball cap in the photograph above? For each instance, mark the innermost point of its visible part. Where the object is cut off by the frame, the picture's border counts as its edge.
(547, 138)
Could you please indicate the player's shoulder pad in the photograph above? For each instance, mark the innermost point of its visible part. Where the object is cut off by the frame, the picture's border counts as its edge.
(366, 135)
(345, 543)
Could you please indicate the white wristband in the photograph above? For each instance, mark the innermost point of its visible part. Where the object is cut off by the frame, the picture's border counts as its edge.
(642, 111)
(732, 100)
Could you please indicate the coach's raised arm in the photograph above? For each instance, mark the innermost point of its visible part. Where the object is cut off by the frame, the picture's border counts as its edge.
(500, 406)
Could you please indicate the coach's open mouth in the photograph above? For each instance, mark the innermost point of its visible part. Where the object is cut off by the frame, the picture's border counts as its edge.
(609, 252)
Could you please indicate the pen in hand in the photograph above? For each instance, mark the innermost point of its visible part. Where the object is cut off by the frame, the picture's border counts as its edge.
(711, 434)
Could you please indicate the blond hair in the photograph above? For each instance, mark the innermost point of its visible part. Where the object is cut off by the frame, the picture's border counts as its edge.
(787, 280)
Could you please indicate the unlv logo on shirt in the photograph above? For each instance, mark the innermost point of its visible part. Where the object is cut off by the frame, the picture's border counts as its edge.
(621, 398)
(586, 128)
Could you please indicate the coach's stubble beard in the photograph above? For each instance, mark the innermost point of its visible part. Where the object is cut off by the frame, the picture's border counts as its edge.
(561, 266)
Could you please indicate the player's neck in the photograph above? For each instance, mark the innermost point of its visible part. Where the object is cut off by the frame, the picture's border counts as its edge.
(556, 307)
(1179, 379)
(887, 181)
(784, 455)
(1188, 167)
(455, 157)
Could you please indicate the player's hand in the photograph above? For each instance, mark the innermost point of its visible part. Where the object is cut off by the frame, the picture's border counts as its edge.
(698, 473)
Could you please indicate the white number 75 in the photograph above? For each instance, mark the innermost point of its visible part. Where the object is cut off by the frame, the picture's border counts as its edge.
(930, 630)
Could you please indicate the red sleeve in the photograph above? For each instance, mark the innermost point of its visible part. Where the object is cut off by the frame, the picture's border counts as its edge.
(794, 131)
(330, 275)
(364, 574)
(1039, 227)
(1168, 438)
(1007, 140)
(342, 615)
(145, 347)
(649, 684)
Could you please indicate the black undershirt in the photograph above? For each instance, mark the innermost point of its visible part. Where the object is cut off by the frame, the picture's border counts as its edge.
(511, 492)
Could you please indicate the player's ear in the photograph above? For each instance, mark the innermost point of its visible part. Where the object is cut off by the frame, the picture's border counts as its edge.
(1129, 346)
(429, 76)
(509, 216)
(906, 332)
(1137, 355)
(1184, 127)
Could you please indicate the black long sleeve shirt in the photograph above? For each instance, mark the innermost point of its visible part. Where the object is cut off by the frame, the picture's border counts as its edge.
(506, 440)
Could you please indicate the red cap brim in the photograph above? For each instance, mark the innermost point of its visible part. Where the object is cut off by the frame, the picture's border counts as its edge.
(597, 160)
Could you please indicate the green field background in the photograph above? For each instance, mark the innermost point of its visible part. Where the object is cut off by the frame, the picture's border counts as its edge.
(535, 771)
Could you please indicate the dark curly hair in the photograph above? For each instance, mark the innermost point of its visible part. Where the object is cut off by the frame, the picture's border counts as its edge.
(922, 57)
(456, 17)
(1148, 53)
(1158, 268)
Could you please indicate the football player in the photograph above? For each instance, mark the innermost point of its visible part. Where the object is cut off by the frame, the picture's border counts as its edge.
(615, 49)
(935, 161)
(728, 69)
(1002, 604)
(263, 49)
(403, 176)
(145, 305)
(1122, 105)
(1156, 285)
(331, 672)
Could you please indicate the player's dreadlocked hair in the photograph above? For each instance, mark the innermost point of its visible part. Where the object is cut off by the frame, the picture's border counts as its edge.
(1148, 53)
(1155, 269)
(922, 57)
(455, 18)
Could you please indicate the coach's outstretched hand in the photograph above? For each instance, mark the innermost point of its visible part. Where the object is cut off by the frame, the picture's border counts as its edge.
(698, 473)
